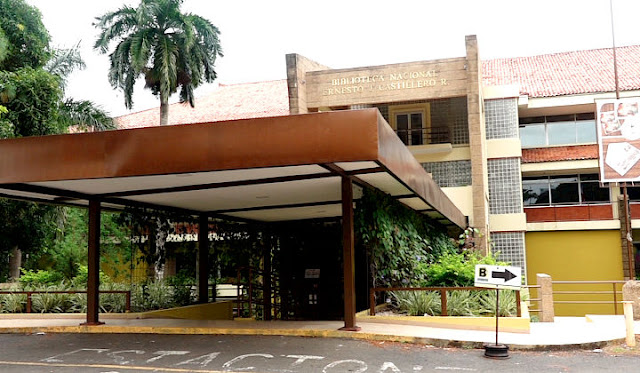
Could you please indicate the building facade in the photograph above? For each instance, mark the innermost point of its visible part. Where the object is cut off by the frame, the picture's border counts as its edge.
(512, 142)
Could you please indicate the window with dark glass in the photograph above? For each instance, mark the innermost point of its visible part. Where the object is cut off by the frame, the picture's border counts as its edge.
(410, 128)
(592, 192)
(563, 190)
(633, 193)
(535, 191)
(558, 130)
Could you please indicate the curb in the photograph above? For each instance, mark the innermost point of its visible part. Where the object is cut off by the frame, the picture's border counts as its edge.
(372, 337)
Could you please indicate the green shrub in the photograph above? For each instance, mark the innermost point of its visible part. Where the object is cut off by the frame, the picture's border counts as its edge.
(50, 302)
(80, 281)
(465, 303)
(116, 302)
(38, 278)
(181, 289)
(417, 303)
(153, 295)
(13, 303)
(506, 304)
(459, 302)
(455, 269)
(109, 303)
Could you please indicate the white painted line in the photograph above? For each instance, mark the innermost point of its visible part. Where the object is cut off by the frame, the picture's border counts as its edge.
(456, 368)
(108, 366)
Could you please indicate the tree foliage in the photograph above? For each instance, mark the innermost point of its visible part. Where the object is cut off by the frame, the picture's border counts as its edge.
(31, 105)
(26, 225)
(85, 115)
(31, 97)
(63, 62)
(171, 50)
(4, 45)
(69, 249)
(26, 36)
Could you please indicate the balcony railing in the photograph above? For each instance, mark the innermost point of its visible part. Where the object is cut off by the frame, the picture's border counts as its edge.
(425, 136)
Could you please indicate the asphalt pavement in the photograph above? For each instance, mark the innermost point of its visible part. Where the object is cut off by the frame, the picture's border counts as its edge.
(564, 332)
(234, 353)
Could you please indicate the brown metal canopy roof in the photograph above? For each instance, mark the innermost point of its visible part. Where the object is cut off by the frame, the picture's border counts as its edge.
(266, 169)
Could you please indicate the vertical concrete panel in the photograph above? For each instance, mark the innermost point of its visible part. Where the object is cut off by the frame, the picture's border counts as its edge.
(297, 67)
(477, 143)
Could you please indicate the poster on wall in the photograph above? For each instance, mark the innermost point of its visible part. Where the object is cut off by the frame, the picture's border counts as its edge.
(618, 127)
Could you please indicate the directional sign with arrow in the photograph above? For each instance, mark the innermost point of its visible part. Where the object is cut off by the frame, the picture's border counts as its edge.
(503, 277)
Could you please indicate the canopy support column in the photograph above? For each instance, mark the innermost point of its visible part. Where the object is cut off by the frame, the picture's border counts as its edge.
(93, 265)
(348, 256)
(203, 259)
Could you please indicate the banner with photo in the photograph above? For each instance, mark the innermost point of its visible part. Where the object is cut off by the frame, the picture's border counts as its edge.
(618, 127)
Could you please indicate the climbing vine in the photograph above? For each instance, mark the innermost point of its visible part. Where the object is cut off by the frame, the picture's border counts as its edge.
(398, 241)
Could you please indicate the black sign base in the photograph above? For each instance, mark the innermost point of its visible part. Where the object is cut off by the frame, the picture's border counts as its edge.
(494, 351)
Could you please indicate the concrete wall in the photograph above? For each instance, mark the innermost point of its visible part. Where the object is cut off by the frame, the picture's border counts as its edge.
(576, 256)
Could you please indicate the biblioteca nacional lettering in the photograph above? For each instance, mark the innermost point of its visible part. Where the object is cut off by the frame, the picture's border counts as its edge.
(384, 82)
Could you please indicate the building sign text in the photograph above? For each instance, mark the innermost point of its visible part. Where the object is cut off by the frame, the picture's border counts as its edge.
(384, 82)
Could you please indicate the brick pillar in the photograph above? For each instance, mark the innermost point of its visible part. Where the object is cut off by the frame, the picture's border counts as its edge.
(628, 263)
(545, 293)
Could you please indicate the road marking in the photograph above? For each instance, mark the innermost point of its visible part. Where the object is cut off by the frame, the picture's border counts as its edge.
(242, 357)
(301, 358)
(455, 368)
(54, 359)
(109, 366)
(389, 365)
(203, 360)
(120, 359)
(162, 354)
(363, 365)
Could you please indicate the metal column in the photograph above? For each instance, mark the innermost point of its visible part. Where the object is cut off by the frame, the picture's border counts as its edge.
(93, 264)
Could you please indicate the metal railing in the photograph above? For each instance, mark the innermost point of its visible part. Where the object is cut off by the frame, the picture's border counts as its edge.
(30, 293)
(424, 136)
(614, 292)
(443, 296)
(534, 300)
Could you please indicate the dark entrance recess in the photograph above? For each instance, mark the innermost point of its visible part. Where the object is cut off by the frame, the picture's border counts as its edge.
(309, 264)
(307, 270)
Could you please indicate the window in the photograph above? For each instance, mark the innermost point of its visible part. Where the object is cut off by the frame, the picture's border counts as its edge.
(558, 130)
(411, 123)
(563, 190)
(633, 193)
(410, 128)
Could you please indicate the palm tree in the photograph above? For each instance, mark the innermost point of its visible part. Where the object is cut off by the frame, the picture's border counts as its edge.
(83, 115)
(157, 41)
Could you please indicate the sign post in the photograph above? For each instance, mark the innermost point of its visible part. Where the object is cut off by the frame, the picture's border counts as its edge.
(497, 277)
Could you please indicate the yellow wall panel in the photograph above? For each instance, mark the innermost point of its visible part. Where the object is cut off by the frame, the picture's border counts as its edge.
(576, 256)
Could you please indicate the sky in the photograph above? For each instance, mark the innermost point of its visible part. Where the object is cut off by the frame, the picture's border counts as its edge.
(257, 34)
